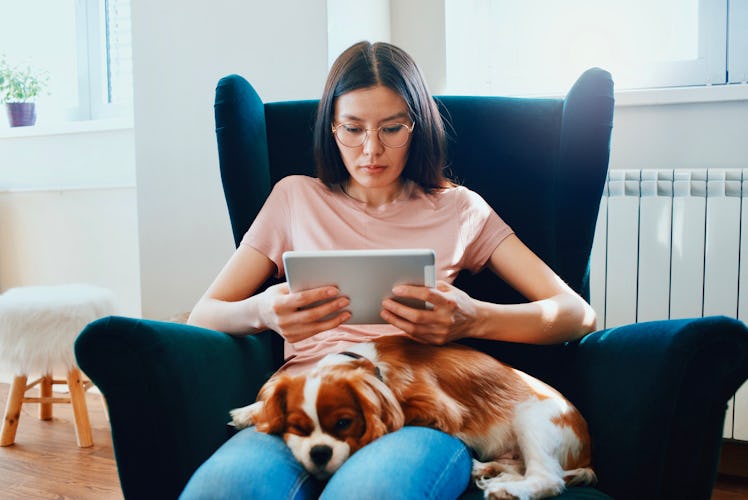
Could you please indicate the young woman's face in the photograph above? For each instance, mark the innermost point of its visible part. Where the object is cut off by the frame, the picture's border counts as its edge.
(374, 166)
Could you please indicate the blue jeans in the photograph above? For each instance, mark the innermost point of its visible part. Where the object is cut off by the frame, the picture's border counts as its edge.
(413, 462)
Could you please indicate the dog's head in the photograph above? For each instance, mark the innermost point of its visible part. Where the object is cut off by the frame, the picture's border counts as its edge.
(327, 415)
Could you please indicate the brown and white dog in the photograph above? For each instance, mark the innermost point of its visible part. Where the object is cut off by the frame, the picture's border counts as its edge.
(530, 442)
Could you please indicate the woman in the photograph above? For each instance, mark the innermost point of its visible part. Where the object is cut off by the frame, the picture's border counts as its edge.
(380, 152)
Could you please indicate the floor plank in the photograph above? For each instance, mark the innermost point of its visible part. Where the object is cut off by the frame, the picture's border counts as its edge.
(731, 488)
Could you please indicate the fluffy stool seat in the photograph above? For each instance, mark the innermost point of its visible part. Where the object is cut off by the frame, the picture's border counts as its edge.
(38, 325)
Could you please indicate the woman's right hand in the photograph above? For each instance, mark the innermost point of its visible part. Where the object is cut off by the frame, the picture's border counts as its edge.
(297, 316)
(232, 305)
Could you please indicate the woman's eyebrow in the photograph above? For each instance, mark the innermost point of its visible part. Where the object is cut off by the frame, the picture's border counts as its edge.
(401, 114)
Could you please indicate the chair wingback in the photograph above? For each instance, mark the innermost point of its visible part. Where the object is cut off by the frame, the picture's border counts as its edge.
(242, 150)
(541, 163)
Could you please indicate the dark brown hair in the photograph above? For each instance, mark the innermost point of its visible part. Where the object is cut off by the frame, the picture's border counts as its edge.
(366, 65)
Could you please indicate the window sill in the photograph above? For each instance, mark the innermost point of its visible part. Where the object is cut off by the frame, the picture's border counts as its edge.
(76, 127)
(683, 95)
(734, 92)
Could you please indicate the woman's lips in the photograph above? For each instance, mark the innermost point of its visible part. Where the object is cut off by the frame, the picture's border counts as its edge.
(372, 169)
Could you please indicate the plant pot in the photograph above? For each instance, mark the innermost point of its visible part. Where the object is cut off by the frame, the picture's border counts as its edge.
(21, 114)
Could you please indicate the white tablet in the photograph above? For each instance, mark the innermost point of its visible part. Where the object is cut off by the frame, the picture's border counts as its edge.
(366, 277)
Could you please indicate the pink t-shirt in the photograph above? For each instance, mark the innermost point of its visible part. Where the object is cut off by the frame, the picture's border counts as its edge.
(302, 213)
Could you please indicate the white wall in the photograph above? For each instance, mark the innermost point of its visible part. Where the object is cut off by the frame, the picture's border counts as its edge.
(694, 135)
(69, 235)
(372, 22)
(66, 157)
(180, 50)
(67, 209)
(167, 241)
(418, 27)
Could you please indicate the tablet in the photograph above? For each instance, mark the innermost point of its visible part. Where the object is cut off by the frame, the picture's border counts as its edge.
(366, 277)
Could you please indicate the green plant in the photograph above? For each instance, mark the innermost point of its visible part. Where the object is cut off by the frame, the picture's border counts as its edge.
(21, 84)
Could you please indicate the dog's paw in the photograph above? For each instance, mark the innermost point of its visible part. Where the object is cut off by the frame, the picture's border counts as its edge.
(486, 470)
(584, 476)
(493, 486)
(502, 469)
(245, 416)
(527, 488)
(498, 494)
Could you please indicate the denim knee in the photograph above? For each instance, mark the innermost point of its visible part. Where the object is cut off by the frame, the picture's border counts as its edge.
(252, 465)
(413, 462)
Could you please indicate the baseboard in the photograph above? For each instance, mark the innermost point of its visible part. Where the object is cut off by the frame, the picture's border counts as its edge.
(734, 458)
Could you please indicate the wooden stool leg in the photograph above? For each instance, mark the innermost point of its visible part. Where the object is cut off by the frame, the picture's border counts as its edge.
(13, 411)
(106, 408)
(45, 409)
(80, 409)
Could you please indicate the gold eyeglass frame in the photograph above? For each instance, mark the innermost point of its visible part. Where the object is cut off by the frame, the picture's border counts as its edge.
(410, 128)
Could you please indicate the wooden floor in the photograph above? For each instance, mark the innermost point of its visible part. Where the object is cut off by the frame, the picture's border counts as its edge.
(45, 462)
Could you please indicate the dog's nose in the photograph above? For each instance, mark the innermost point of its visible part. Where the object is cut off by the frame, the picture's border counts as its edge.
(320, 454)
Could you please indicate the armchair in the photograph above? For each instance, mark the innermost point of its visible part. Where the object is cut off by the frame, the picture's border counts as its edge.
(654, 394)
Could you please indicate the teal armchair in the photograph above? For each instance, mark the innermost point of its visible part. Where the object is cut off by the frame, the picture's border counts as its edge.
(654, 394)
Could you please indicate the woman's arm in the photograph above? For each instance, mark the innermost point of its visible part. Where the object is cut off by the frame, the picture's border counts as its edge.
(230, 304)
(227, 305)
(555, 312)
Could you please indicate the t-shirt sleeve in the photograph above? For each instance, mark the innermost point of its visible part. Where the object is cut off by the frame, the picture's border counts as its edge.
(270, 231)
(482, 230)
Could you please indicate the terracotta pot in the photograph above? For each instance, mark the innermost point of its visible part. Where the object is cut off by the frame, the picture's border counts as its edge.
(21, 114)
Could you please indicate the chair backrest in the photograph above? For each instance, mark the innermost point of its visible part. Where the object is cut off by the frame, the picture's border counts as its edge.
(541, 163)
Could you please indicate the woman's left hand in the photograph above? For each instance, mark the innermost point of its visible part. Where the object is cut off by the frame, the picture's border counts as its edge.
(452, 317)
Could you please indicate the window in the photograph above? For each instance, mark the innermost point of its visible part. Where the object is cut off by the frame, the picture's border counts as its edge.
(118, 54)
(513, 47)
(83, 45)
(737, 61)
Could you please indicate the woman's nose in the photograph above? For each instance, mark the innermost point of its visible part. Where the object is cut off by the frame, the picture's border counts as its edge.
(372, 143)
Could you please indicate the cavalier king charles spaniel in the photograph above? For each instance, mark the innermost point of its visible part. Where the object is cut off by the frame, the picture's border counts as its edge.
(530, 441)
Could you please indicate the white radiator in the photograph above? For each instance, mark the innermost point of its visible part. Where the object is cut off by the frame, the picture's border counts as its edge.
(668, 244)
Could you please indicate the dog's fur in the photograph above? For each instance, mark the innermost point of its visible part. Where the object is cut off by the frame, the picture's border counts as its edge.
(529, 440)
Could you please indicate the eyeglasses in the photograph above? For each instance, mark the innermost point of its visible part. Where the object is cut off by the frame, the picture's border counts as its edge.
(392, 135)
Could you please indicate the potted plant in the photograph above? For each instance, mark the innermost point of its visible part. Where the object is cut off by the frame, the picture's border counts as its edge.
(19, 88)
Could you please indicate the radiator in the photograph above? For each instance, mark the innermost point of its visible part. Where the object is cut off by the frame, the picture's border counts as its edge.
(668, 244)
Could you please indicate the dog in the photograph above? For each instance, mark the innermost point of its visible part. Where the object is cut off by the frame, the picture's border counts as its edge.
(530, 442)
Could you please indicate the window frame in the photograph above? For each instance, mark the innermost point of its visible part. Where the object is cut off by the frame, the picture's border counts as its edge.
(709, 68)
(737, 42)
(93, 95)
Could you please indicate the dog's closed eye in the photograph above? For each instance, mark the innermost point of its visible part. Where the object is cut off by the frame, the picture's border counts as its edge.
(343, 424)
(299, 424)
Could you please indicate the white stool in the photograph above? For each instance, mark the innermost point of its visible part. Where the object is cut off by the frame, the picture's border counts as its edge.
(38, 325)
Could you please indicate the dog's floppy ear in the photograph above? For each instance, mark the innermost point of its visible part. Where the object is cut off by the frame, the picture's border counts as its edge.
(379, 406)
(271, 416)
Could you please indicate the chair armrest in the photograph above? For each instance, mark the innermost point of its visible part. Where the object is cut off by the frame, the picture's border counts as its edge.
(655, 395)
(169, 388)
